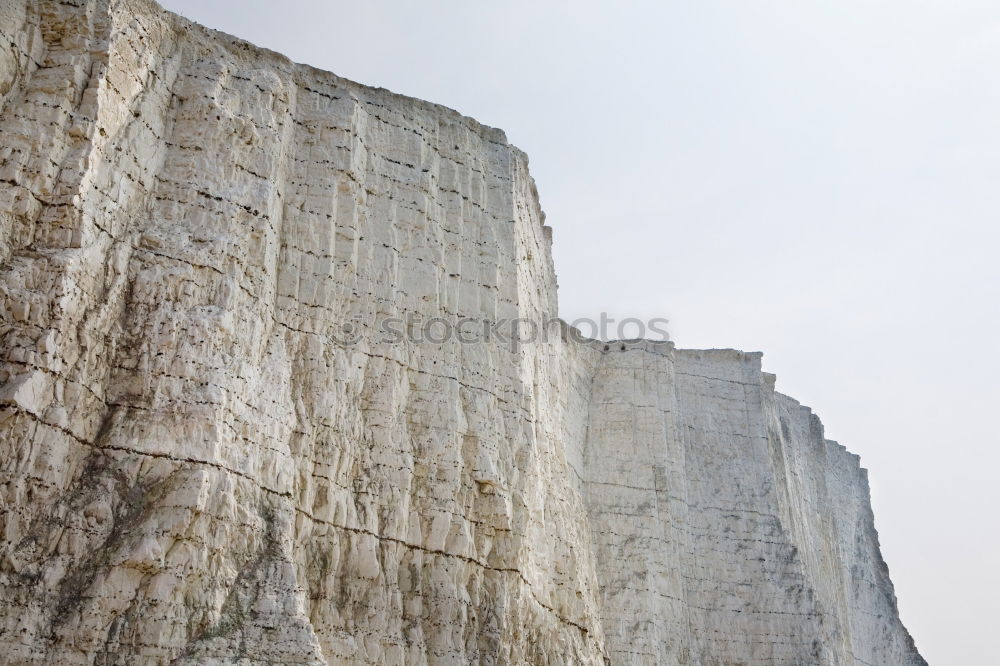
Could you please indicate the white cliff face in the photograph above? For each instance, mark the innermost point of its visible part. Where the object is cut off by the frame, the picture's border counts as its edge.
(726, 529)
(201, 464)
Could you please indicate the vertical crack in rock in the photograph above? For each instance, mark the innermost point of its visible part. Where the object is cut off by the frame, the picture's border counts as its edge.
(196, 467)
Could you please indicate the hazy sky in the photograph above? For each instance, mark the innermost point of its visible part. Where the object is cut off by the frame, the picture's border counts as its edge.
(816, 180)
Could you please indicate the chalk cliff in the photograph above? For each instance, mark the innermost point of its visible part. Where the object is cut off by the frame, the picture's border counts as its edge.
(211, 453)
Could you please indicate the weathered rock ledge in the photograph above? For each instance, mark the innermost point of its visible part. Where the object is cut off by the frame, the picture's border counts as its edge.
(197, 468)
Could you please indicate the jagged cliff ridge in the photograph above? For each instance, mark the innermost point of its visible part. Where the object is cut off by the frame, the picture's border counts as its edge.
(196, 469)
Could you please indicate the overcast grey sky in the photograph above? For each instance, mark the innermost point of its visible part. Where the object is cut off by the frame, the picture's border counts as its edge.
(818, 180)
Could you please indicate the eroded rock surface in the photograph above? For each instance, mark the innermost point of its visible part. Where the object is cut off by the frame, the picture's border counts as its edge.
(198, 467)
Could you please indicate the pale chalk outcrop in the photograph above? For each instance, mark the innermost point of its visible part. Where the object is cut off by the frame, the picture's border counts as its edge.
(726, 529)
(197, 468)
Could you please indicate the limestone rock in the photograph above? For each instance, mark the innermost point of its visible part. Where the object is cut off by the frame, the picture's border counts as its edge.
(210, 453)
